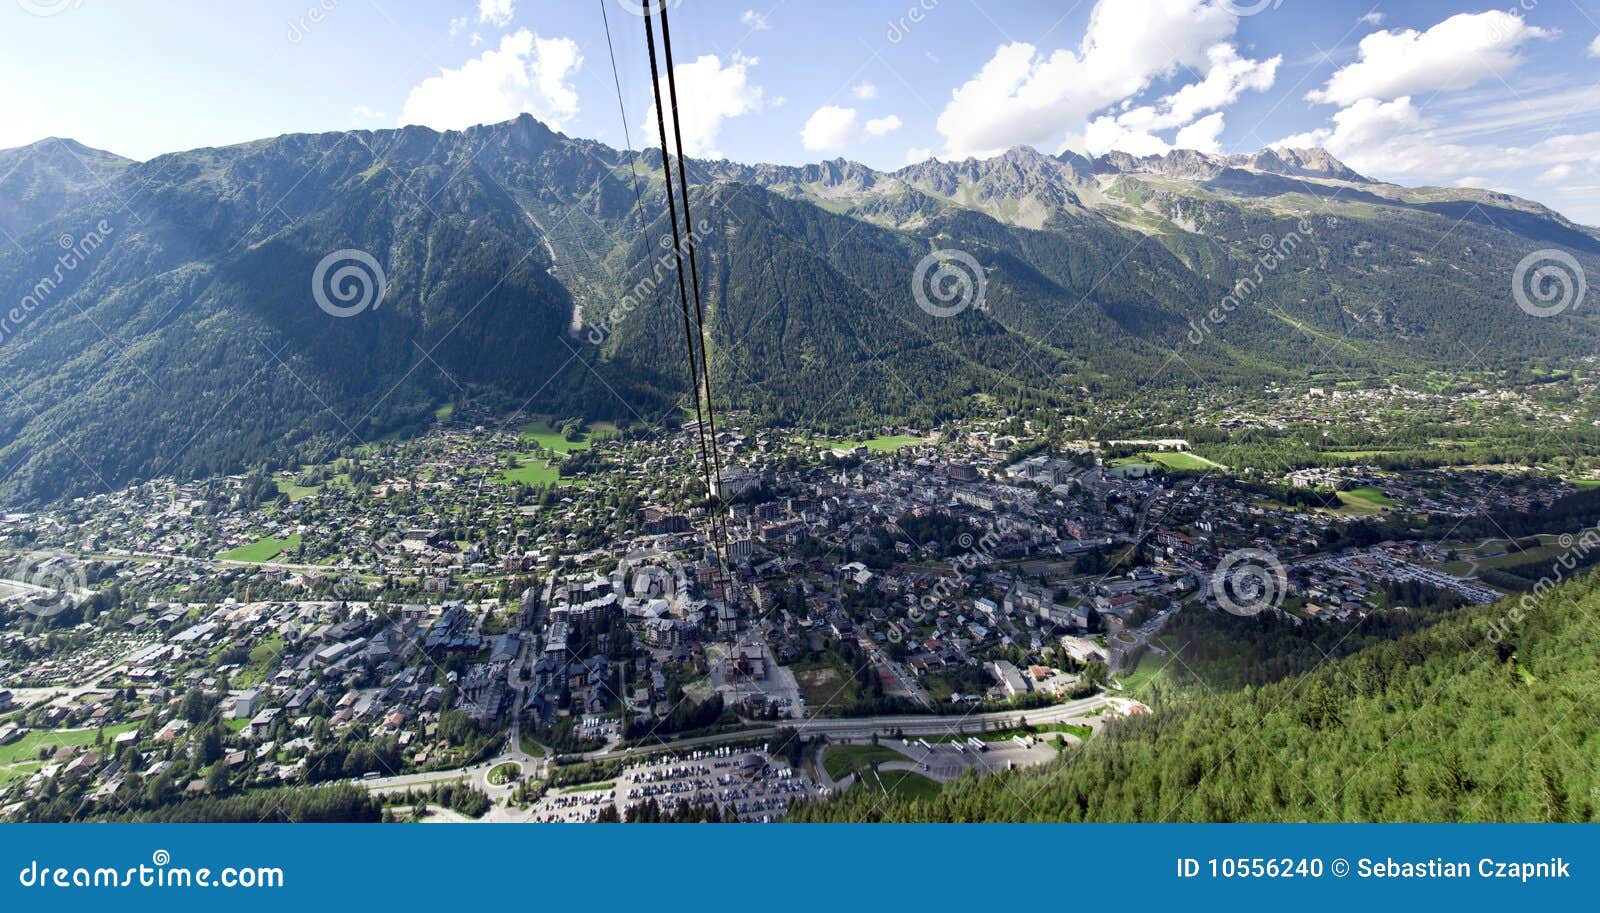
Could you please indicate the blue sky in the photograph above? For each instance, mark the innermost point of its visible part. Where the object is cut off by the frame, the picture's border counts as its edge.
(1503, 96)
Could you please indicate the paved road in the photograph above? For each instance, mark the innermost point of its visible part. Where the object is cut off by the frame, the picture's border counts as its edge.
(910, 725)
(23, 586)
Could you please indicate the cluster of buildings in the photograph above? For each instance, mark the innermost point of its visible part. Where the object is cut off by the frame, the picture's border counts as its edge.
(417, 603)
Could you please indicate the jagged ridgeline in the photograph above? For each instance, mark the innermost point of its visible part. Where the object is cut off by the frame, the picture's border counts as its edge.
(1490, 715)
(165, 319)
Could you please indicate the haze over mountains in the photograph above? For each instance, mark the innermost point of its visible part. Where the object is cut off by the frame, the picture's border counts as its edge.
(522, 271)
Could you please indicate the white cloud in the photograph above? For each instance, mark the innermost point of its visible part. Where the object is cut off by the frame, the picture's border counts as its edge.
(829, 127)
(1381, 128)
(879, 126)
(497, 13)
(718, 92)
(1025, 96)
(1202, 135)
(918, 154)
(1367, 124)
(525, 74)
(1594, 47)
(1557, 174)
(365, 113)
(1394, 140)
(1454, 54)
(864, 91)
(834, 127)
(1104, 134)
(1227, 76)
(1481, 114)
(756, 21)
(458, 25)
(1372, 18)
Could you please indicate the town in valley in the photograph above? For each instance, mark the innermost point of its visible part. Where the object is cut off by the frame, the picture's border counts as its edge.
(550, 620)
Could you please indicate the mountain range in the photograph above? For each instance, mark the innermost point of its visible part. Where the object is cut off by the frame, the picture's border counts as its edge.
(160, 316)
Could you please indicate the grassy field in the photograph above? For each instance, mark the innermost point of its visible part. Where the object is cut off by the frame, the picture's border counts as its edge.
(531, 471)
(541, 434)
(508, 772)
(263, 549)
(264, 658)
(938, 688)
(9, 772)
(1151, 667)
(1586, 484)
(1515, 557)
(883, 443)
(902, 784)
(1365, 500)
(1180, 460)
(591, 787)
(825, 686)
(1511, 555)
(297, 492)
(842, 760)
(21, 758)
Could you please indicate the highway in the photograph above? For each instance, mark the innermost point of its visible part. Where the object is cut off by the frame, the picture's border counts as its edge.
(910, 725)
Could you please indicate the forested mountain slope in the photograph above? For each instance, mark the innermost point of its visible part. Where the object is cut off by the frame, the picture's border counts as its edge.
(523, 267)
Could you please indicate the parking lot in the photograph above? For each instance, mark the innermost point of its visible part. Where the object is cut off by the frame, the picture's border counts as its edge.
(747, 785)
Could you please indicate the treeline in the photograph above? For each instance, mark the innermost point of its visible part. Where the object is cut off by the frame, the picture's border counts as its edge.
(1489, 715)
(458, 797)
(1567, 514)
(1225, 652)
(686, 716)
(339, 803)
(583, 772)
(649, 812)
